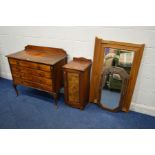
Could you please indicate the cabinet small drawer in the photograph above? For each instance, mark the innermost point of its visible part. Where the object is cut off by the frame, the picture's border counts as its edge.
(35, 65)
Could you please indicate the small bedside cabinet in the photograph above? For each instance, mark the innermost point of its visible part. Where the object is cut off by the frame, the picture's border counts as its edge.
(76, 82)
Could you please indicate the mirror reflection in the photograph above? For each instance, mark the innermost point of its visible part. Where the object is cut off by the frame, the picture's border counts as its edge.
(116, 69)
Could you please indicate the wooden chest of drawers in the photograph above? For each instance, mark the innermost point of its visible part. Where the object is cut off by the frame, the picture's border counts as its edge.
(38, 67)
(77, 81)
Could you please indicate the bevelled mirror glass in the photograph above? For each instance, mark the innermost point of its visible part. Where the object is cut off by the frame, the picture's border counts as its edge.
(114, 73)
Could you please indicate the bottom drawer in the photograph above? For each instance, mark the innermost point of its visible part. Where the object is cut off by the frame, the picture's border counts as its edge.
(32, 84)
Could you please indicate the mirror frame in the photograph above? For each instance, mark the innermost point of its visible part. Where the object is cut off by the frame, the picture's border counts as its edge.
(100, 45)
(125, 78)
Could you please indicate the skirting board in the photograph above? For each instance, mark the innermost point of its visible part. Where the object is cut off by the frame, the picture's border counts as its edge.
(6, 75)
(141, 108)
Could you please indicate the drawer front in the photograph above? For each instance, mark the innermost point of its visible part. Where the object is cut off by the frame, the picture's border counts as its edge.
(30, 64)
(30, 77)
(39, 86)
(39, 73)
(35, 65)
(15, 68)
(36, 79)
(73, 87)
(17, 80)
(13, 61)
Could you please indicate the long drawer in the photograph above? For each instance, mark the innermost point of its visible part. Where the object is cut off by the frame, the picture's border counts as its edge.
(39, 73)
(36, 79)
(32, 84)
(32, 78)
(29, 64)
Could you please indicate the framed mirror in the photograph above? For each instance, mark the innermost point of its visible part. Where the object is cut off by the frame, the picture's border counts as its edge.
(114, 73)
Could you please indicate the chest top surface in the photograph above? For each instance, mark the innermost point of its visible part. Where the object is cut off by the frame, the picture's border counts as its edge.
(80, 64)
(40, 54)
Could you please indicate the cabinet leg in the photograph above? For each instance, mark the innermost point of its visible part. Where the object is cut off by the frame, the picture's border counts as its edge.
(15, 88)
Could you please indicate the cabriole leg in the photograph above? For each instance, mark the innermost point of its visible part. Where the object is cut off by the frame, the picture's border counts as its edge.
(15, 88)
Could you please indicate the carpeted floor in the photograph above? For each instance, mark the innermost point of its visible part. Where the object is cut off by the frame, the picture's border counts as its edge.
(35, 109)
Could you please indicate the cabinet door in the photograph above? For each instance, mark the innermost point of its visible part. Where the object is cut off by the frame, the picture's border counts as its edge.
(73, 87)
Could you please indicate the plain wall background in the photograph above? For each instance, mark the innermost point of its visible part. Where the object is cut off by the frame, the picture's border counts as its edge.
(79, 41)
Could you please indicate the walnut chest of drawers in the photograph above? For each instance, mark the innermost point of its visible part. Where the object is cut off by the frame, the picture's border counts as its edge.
(38, 67)
(76, 82)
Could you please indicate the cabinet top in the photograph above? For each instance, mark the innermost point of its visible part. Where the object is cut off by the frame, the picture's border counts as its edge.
(80, 64)
(40, 54)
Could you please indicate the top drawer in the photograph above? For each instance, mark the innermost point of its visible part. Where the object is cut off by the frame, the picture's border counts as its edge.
(30, 64)
(13, 61)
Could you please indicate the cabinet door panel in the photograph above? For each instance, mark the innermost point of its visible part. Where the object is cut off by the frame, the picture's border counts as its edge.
(73, 87)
